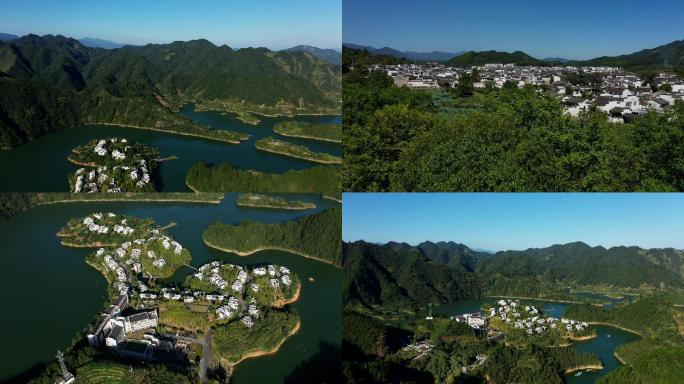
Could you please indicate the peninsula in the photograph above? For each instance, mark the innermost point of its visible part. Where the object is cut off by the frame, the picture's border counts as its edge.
(306, 130)
(284, 148)
(254, 200)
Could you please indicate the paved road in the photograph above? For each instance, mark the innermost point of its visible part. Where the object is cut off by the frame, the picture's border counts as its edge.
(206, 357)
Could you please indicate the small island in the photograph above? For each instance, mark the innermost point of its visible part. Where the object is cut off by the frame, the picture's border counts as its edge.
(113, 165)
(306, 130)
(254, 200)
(269, 144)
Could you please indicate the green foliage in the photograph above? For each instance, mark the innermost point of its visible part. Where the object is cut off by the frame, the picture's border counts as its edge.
(268, 201)
(303, 129)
(317, 236)
(507, 140)
(235, 340)
(285, 148)
(401, 277)
(52, 82)
(223, 177)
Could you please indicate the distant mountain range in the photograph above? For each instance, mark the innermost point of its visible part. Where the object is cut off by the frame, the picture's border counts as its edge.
(668, 56)
(99, 43)
(410, 55)
(330, 55)
(402, 274)
(64, 82)
(7, 36)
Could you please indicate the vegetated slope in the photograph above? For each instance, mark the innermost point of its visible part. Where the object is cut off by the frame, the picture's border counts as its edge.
(317, 236)
(401, 276)
(223, 177)
(326, 54)
(473, 58)
(665, 56)
(145, 85)
(579, 264)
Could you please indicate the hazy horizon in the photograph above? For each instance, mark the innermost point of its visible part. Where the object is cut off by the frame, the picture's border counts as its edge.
(515, 221)
(584, 29)
(263, 23)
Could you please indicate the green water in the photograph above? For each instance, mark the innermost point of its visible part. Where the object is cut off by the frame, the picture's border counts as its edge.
(41, 165)
(50, 294)
(603, 345)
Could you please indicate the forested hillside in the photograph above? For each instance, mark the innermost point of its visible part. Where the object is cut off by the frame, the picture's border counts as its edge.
(317, 236)
(403, 275)
(52, 82)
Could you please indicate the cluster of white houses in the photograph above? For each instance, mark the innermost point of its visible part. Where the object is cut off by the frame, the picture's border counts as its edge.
(110, 179)
(622, 95)
(243, 305)
(527, 317)
(104, 179)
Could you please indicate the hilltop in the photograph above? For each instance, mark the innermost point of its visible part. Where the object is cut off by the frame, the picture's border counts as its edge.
(326, 54)
(66, 83)
(409, 55)
(472, 58)
(406, 275)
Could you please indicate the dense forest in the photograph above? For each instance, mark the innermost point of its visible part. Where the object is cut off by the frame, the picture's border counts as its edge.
(405, 276)
(223, 177)
(509, 139)
(50, 82)
(401, 277)
(317, 236)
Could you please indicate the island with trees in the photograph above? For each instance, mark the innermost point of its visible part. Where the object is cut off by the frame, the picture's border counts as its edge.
(254, 200)
(269, 144)
(224, 177)
(316, 236)
(306, 130)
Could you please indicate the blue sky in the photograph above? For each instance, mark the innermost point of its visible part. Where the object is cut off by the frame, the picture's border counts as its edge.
(577, 29)
(502, 221)
(275, 24)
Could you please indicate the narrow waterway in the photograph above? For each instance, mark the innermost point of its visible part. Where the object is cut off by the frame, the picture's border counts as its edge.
(50, 294)
(41, 165)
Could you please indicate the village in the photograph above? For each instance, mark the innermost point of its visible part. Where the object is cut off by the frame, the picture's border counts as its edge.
(623, 96)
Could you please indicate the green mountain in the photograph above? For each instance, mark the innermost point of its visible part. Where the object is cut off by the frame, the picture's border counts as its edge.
(670, 56)
(326, 54)
(400, 275)
(473, 58)
(579, 264)
(145, 85)
(403, 275)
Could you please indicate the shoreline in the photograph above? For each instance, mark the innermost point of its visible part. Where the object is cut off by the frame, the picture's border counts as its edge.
(266, 206)
(620, 359)
(231, 365)
(282, 303)
(299, 157)
(247, 253)
(583, 338)
(89, 245)
(124, 200)
(581, 367)
(616, 326)
(309, 137)
(230, 141)
(534, 298)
